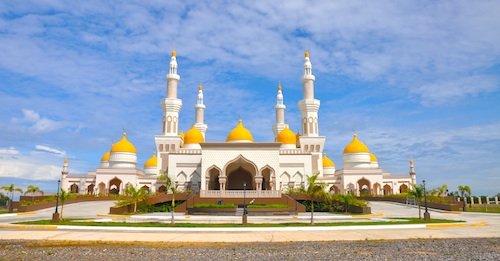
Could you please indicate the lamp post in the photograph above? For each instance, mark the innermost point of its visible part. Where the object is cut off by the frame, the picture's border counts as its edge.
(244, 217)
(427, 215)
(56, 217)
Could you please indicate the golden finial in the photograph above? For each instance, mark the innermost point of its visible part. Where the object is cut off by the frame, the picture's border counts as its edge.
(306, 53)
(65, 160)
(200, 88)
(279, 86)
(174, 53)
(411, 162)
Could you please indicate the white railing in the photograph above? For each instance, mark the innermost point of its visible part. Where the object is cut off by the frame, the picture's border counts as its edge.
(239, 193)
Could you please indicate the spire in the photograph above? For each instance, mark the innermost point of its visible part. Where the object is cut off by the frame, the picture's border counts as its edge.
(200, 95)
(279, 96)
(200, 112)
(307, 64)
(173, 63)
(65, 169)
(280, 112)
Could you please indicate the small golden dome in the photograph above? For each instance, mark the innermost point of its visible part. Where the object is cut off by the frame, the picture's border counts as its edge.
(123, 145)
(240, 133)
(174, 53)
(327, 162)
(286, 136)
(151, 162)
(193, 136)
(105, 157)
(373, 158)
(306, 53)
(356, 146)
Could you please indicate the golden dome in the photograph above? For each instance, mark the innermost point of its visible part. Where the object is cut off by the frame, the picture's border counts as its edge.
(240, 133)
(193, 136)
(151, 162)
(123, 145)
(174, 53)
(373, 158)
(356, 146)
(105, 157)
(327, 162)
(286, 136)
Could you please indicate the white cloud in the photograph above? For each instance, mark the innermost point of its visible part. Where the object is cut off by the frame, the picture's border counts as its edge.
(36, 123)
(50, 150)
(28, 168)
(9, 151)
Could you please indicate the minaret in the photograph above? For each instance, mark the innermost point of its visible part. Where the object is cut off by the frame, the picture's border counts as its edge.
(169, 141)
(65, 169)
(280, 113)
(200, 113)
(310, 141)
(413, 174)
(309, 106)
(171, 105)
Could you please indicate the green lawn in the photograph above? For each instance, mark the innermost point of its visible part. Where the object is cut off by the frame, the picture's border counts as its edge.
(156, 224)
(483, 208)
(3, 211)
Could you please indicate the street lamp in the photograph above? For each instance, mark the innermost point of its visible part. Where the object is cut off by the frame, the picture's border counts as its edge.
(56, 217)
(427, 215)
(244, 217)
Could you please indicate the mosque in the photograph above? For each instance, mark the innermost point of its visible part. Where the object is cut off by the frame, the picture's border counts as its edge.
(226, 169)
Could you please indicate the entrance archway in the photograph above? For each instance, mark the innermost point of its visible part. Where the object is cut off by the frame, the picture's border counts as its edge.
(90, 189)
(114, 186)
(387, 190)
(266, 179)
(238, 172)
(334, 190)
(73, 188)
(145, 188)
(364, 187)
(403, 188)
(213, 182)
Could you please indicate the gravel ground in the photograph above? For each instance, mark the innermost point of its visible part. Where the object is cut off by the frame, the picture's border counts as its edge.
(425, 249)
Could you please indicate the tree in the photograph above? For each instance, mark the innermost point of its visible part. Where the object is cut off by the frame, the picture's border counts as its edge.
(346, 200)
(33, 190)
(11, 189)
(417, 191)
(164, 177)
(440, 191)
(63, 196)
(136, 195)
(464, 191)
(314, 191)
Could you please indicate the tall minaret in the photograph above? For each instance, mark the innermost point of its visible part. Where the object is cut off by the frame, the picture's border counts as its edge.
(310, 141)
(413, 174)
(309, 106)
(169, 141)
(171, 105)
(280, 113)
(65, 169)
(200, 113)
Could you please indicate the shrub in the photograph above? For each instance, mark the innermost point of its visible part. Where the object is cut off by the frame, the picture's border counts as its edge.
(268, 206)
(227, 205)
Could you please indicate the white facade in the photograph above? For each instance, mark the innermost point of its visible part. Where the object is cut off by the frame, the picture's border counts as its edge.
(221, 169)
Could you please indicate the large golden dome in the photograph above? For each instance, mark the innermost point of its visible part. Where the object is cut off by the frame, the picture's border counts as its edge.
(373, 158)
(240, 133)
(286, 136)
(193, 136)
(123, 145)
(327, 162)
(105, 157)
(356, 146)
(151, 162)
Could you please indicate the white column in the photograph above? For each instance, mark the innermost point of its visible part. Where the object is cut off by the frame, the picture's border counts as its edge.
(200, 113)
(309, 106)
(171, 105)
(280, 113)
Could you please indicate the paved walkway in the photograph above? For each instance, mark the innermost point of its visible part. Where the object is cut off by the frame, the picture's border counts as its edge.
(478, 225)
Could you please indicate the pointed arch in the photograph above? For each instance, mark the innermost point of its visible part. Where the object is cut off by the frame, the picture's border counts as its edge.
(239, 158)
(268, 176)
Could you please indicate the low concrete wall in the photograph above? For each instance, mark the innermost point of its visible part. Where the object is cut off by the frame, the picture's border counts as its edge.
(359, 210)
(441, 206)
(38, 206)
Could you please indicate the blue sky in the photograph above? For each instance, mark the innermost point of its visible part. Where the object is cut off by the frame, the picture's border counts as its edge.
(415, 79)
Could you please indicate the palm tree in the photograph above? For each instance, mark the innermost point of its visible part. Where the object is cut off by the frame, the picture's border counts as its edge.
(417, 191)
(464, 192)
(440, 191)
(164, 177)
(136, 195)
(11, 189)
(63, 196)
(315, 190)
(346, 200)
(33, 189)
